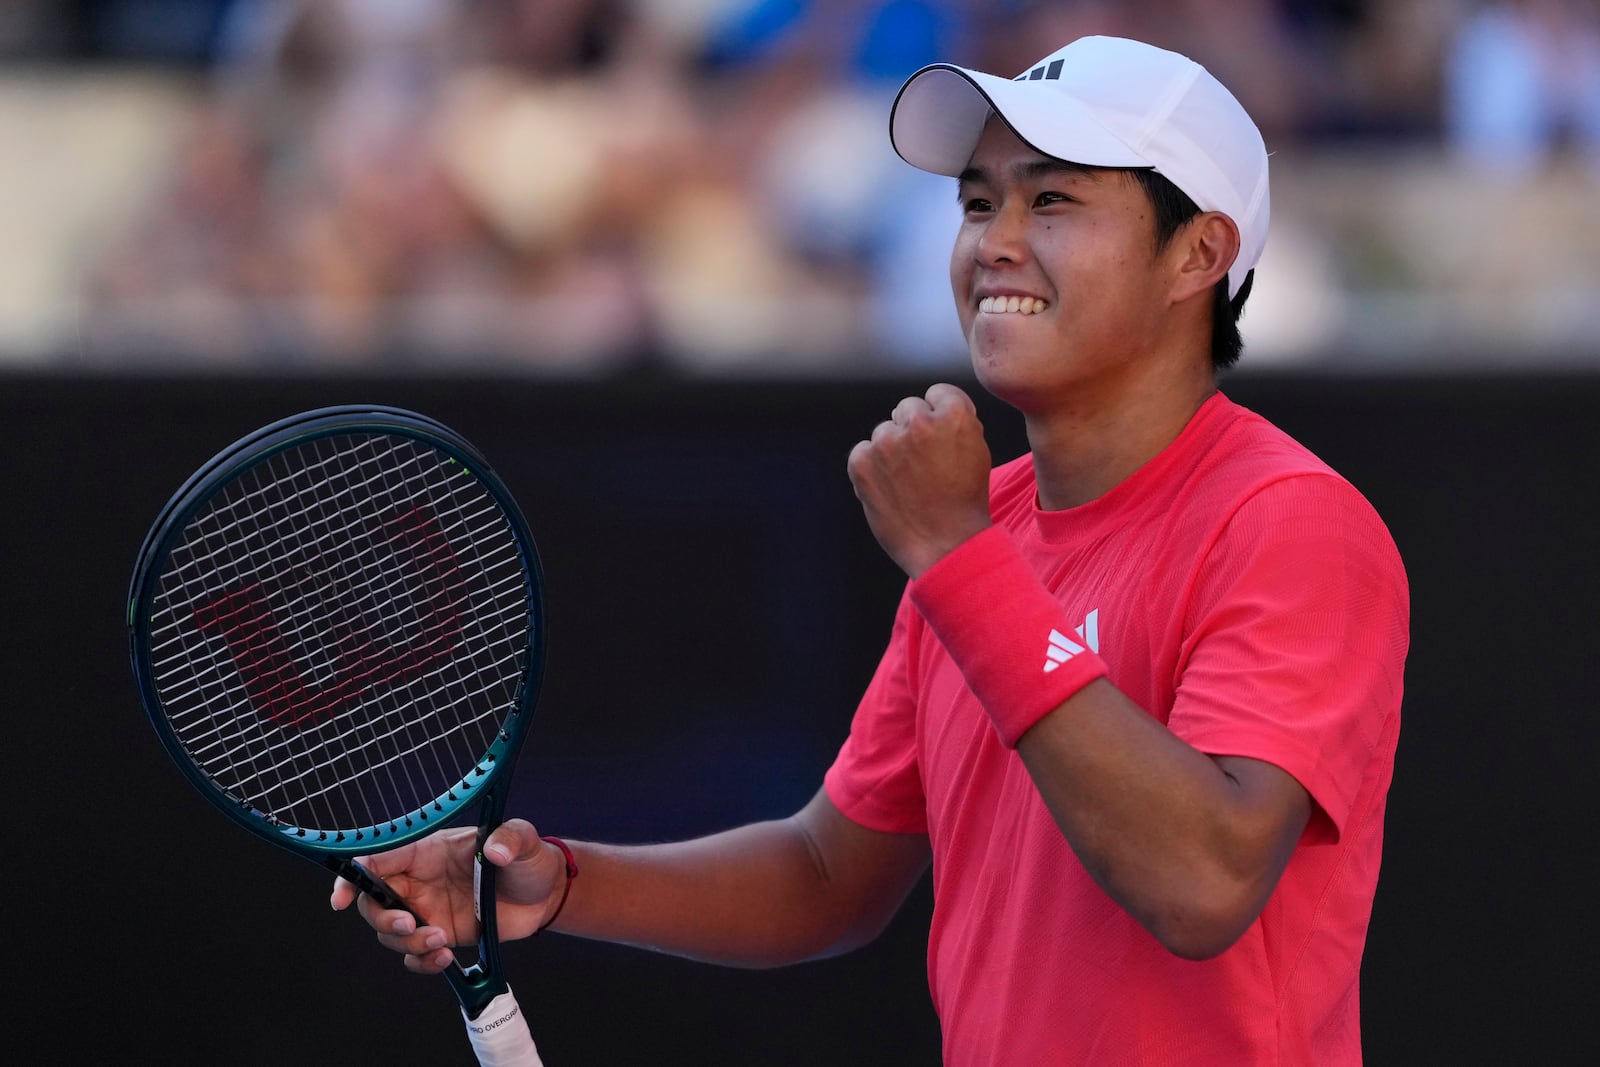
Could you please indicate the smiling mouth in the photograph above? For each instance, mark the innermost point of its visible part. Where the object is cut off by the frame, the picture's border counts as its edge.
(1019, 305)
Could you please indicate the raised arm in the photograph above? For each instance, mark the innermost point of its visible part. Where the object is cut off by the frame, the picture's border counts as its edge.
(1189, 844)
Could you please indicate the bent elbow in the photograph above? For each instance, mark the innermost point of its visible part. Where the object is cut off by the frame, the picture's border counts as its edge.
(1198, 931)
(1198, 946)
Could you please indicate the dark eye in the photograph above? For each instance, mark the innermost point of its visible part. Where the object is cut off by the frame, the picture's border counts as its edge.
(976, 205)
(1046, 199)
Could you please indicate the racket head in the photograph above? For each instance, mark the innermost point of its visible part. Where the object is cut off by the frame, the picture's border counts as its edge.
(337, 629)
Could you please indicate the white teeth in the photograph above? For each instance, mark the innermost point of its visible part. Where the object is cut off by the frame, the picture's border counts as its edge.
(1022, 305)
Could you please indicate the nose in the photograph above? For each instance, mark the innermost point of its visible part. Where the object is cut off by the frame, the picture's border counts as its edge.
(1004, 236)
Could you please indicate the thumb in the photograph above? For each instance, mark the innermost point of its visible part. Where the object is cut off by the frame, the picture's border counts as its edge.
(512, 841)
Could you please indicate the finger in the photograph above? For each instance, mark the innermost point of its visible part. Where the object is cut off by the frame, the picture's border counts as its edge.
(386, 920)
(344, 894)
(908, 409)
(946, 397)
(423, 942)
(856, 467)
(429, 962)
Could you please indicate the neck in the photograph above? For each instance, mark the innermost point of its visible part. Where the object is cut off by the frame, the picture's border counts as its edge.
(1088, 446)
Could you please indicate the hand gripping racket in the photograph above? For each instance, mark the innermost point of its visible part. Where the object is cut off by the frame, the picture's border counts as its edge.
(337, 630)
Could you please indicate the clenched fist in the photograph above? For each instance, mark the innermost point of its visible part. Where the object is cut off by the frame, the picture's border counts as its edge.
(923, 477)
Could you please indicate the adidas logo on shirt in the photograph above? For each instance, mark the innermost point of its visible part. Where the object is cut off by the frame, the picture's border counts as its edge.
(1062, 648)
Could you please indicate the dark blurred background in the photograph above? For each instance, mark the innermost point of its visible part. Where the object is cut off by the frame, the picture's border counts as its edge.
(656, 259)
(715, 606)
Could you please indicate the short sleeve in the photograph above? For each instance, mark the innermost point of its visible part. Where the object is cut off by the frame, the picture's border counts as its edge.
(876, 780)
(1297, 633)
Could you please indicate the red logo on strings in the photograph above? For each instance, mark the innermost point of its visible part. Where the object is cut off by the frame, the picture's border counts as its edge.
(264, 658)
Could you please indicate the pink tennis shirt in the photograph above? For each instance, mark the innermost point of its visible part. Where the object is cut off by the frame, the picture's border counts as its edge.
(1252, 600)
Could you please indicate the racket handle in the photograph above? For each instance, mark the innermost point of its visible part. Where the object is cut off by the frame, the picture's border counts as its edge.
(500, 1035)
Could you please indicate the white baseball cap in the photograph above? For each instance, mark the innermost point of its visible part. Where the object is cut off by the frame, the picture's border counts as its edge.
(1102, 102)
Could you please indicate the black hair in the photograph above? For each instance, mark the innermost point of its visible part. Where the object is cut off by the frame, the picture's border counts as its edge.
(1173, 208)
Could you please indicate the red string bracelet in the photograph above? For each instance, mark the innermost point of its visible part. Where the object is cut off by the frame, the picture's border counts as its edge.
(572, 872)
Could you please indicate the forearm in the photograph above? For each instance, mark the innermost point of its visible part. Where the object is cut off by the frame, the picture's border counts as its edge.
(1190, 845)
(761, 895)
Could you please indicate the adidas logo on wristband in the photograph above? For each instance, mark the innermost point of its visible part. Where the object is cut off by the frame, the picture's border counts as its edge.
(1061, 648)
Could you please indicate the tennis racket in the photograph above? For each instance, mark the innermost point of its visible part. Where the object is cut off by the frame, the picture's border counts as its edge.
(336, 627)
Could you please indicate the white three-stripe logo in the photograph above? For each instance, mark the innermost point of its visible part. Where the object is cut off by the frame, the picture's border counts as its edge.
(1062, 648)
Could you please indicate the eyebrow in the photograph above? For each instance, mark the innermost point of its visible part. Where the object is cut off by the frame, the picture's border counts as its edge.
(1032, 170)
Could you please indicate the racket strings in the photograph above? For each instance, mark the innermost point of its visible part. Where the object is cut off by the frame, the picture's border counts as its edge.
(436, 536)
(341, 632)
(385, 764)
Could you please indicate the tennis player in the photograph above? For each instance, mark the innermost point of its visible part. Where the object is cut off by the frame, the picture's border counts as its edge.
(1140, 702)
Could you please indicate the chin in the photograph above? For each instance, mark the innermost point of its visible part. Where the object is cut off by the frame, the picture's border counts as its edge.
(1001, 381)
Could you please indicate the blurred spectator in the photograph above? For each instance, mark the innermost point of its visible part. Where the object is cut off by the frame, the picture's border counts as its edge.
(339, 190)
(1523, 82)
(33, 29)
(811, 83)
(596, 186)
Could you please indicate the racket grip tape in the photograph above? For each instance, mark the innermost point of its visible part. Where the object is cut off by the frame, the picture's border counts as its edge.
(500, 1035)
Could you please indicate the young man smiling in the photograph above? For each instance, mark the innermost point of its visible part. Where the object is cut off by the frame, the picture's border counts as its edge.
(1141, 697)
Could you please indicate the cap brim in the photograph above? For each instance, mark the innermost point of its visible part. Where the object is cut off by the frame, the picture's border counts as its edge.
(939, 115)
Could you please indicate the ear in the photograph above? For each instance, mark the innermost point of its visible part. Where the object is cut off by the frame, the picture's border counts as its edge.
(1204, 248)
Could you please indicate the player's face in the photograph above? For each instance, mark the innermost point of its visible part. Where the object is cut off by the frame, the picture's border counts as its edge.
(1055, 273)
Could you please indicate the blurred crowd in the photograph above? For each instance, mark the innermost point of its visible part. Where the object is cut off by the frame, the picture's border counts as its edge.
(704, 185)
